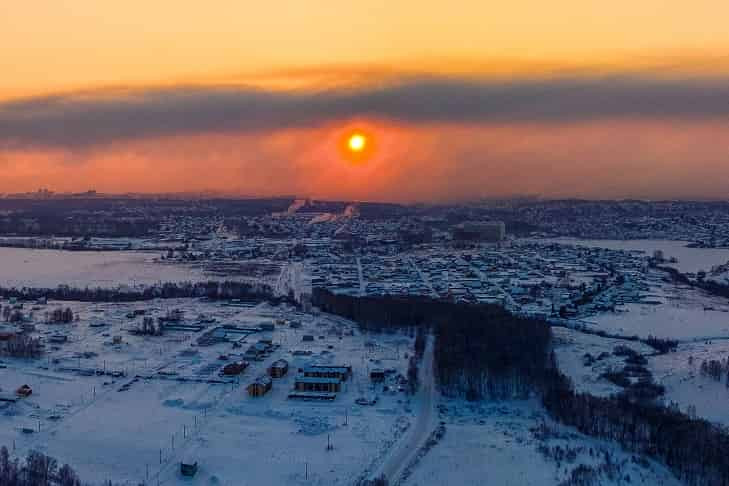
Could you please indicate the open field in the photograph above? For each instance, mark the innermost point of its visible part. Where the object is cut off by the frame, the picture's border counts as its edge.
(679, 312)
(503, 444)
(166, 401)
(49, 268)
(688, 259)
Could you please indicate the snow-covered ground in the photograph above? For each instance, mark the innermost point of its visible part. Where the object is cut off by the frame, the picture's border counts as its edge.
(406, 449)
(570, 348)
(502, 444)
(680, 373)
(666, 322)
(690, 260)
(684, 314)
(119, 428)
(23, 267)
(139, 429)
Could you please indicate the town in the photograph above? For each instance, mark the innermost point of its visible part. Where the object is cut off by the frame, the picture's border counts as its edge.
(206, 333)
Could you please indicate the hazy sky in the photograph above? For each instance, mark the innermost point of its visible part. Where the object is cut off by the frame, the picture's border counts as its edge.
(458, 99)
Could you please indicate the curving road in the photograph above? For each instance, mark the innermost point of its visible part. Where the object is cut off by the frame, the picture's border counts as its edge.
(406, 449)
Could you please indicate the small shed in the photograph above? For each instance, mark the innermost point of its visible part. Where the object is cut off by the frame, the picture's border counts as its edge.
(279, 368)
(236, 368)
(260, 386)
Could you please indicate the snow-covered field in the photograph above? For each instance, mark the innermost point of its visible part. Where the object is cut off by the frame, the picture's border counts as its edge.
(23, 267)
(690, 260)
(680, 373)
(685, 314)
(171, 405)
(139, 427)
(666, 322)
(570, 348)
(501, 444)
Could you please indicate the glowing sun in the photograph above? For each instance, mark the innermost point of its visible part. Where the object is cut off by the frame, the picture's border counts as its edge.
(357, 142)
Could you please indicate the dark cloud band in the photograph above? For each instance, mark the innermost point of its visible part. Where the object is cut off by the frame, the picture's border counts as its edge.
(79, 120)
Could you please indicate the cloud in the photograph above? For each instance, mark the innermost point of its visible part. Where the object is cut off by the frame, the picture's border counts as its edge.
(435, 162)
(90, 119)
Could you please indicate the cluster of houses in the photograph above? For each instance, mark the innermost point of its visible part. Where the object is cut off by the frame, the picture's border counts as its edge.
(536, 278)
(263, 384)
(233, 369)
(314, 382)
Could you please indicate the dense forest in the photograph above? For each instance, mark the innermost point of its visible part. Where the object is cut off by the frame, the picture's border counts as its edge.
(481, 351)
(484, 352)
(211, 289)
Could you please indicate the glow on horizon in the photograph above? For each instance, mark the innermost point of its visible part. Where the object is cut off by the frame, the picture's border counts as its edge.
(87, 46)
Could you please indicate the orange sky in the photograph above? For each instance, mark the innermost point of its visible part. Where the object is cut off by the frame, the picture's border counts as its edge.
(422, 153)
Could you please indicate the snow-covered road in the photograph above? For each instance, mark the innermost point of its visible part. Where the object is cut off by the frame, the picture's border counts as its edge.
(406, 450)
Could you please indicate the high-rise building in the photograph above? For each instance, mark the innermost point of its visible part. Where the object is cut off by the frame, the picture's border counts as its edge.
(490, 231)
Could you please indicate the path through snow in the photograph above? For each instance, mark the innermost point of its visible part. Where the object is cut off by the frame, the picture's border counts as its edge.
(405, 451)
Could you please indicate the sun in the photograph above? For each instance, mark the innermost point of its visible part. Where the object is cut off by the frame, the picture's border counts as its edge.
(357, 145)
(357, 142)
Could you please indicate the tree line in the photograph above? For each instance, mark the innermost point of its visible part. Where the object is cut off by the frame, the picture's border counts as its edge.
(211, 289)
(36, 469)
(21, 346)
(711, 286)
(481, 351)
(694, 450)
(716, 369)
(484, 352)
